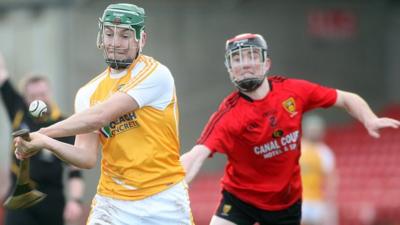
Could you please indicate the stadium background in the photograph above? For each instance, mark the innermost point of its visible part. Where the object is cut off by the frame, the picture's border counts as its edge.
(349, 44)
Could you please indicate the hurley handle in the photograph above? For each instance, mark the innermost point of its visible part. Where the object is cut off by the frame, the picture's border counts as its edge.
(23, 176)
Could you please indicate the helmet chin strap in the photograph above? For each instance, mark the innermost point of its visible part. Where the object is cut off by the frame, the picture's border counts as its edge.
(248, 84)
(119, 64)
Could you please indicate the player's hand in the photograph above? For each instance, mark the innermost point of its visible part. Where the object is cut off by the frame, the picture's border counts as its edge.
(25, 149)
(374, 125)
(72, 211)
(3, 70)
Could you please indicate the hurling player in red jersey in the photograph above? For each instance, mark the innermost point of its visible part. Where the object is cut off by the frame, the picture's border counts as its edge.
(259, 130)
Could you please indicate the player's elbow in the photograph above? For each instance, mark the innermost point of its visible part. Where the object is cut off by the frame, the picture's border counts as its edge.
(86, 161)
(87, 164)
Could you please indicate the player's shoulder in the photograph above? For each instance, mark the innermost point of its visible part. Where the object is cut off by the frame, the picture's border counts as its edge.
(82, 97)
(155, 66)
(278, 81)
(92, 84)
(227, 106)
(222, 117)
(95, 80)
(230, 101)
(283, 80)
(148, 60)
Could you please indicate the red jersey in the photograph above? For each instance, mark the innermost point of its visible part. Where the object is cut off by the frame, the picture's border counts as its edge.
(261, 139)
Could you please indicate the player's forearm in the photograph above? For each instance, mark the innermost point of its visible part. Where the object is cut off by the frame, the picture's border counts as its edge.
(94, 118)
(79, 123)
(81, 158)
(192, 167)
(193, 160)
(355, 106)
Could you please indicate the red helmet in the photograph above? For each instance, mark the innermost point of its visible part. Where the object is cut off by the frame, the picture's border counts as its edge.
(246, 40)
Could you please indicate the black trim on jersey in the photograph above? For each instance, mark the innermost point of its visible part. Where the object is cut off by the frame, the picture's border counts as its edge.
(216, 117)
(277, 78)
(247, 98)
(230, 102)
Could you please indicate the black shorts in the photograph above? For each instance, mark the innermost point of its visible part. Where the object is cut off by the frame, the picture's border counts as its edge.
(235, 210)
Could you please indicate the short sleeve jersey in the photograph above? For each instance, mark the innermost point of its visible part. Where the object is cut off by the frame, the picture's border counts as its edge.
(141, 148)
(261, 139)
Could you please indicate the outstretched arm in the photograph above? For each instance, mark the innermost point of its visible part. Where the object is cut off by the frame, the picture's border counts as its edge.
(82, 155)
(193, 160)
(359, 109)
(93, 118)
(13, 101)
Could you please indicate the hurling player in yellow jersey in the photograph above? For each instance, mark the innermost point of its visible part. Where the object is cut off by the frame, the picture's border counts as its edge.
(131, 111)
(318, 174)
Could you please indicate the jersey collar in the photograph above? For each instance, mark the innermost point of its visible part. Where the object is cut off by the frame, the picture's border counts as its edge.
(247, 98)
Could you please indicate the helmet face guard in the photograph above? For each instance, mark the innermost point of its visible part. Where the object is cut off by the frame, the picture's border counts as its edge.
(125, 22)
(119, 56)
(245, 59)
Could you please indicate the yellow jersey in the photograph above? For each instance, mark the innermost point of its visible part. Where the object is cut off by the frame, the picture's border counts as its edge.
(140, 150)
(316, 162)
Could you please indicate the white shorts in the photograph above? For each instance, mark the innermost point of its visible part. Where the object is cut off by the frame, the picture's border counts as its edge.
(169, 207)
(313, 212)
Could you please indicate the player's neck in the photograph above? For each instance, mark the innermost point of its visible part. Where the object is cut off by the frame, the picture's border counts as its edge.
(117, 73)
(260, 92)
